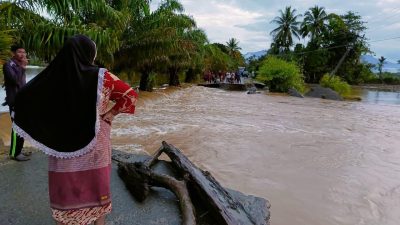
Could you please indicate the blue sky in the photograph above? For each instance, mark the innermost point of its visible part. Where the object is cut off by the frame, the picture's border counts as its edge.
(249, 20)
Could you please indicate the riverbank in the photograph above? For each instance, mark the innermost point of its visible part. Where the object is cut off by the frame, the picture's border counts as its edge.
(29, 202)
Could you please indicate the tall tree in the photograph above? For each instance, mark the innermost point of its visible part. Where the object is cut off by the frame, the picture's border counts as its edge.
(199, 38)
(96, 19)
(233, 46)
(381, 62)
(159, 40)
(314, 23)
(288, 26)
(346, 32)
(5, 38)
(216, 59)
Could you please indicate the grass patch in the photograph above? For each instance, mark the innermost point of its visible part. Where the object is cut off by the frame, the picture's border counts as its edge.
(337, 84)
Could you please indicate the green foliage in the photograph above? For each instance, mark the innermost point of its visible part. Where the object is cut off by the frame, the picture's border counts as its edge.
(380, 66)
(5, 44)
(152, 81)
(329, 37)
(391, 79)
(223, 57)
(386, 78)
(36, 61)
(253, 64)
(1, 75)
(233, 46)
(216, 60)
(365, 74)
(280, 75)
(6, 38)
(46, 35)
(288, 26)
(348, 31)
(164, 41)
(336, 84)
(129, 36)
(314, 24)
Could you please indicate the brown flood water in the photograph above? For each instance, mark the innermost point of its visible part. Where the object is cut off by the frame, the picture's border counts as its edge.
(319, 162)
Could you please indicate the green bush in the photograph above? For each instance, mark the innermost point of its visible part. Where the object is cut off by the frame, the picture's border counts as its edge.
(390, 78)
(280, 75)
(336, 84)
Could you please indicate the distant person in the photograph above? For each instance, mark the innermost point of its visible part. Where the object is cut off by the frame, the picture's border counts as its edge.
(220, 75)
(14, 80)
(237, 77)
(207, 76)
(228, 77)
(66, 111)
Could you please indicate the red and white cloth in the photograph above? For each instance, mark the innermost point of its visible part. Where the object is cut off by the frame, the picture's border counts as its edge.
(79, 187)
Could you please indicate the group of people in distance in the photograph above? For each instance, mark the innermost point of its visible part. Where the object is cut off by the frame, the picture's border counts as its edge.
(222, 77)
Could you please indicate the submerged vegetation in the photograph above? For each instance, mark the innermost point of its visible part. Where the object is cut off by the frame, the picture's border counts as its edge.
(336, 84)
(280, 75)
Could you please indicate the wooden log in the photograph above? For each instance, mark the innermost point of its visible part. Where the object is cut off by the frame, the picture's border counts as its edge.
(215, 201)
(138, 177)
(135, 180)
(206, 187)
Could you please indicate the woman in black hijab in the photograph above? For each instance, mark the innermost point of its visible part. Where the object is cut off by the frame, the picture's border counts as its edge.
(66, 111)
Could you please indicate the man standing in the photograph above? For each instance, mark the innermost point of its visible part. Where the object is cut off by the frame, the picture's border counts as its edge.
(14, 80)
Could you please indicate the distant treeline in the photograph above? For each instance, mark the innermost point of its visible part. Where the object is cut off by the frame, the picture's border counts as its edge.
(334, 44)
(131, 39)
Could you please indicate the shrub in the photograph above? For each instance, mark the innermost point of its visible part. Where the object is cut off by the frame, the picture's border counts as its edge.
(336, 84)
(280, 75)
(390, 78)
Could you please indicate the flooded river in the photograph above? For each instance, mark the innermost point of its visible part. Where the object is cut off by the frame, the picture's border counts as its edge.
(319, 162)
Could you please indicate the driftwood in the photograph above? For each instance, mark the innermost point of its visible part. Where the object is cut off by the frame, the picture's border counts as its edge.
(139, 177)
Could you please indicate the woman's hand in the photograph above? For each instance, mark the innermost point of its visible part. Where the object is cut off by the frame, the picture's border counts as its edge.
(109, 116)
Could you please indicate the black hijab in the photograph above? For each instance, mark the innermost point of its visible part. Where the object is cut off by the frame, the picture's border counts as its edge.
(57, 110)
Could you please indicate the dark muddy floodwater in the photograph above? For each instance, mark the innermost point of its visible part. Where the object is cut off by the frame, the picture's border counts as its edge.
(317, 161)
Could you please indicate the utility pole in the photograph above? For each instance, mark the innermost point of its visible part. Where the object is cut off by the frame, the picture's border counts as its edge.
(341, 61)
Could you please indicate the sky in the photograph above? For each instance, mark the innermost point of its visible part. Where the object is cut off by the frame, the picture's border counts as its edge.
(249, 21)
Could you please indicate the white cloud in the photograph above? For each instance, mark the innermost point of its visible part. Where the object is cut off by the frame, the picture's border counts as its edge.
(223, 20)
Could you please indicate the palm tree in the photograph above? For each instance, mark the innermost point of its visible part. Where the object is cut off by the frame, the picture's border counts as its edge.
(216, 59)
(288, 26)
(233, 46)
(314, 22)
(199, 39)
(5, 43)
(5, 39)
(157, 41)
(96, 19)
(188, 55)
(139, 39)
(380, 67)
